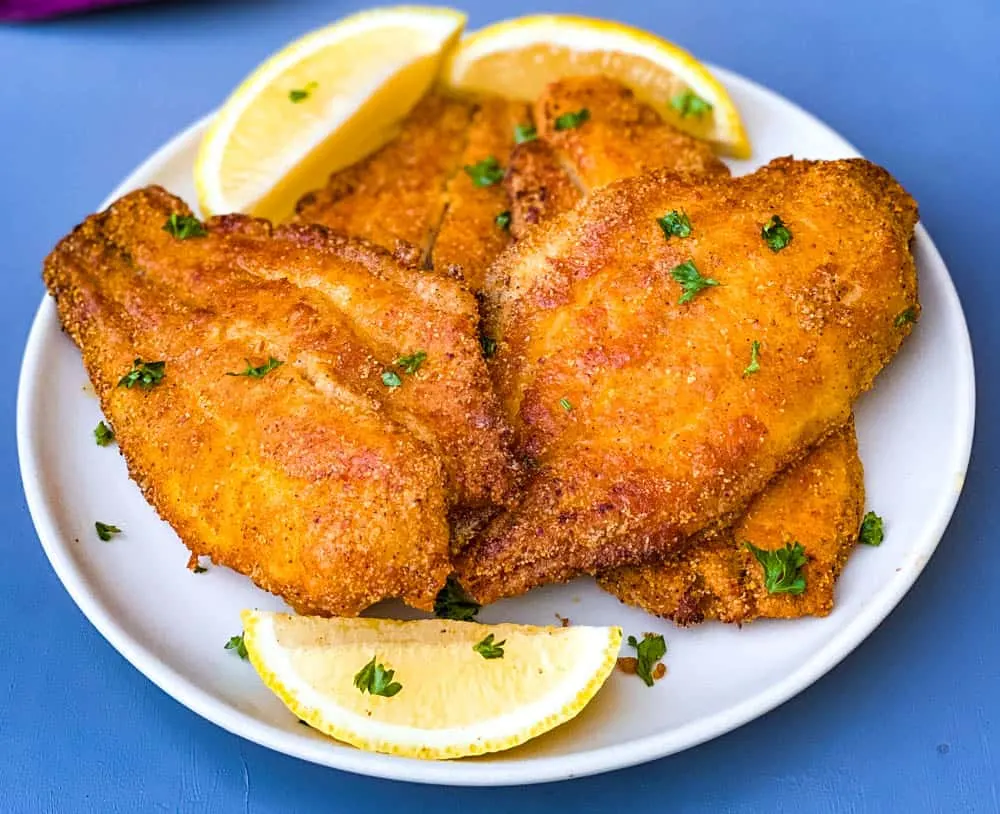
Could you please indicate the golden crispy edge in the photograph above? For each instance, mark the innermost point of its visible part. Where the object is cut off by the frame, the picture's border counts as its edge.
(817, 502)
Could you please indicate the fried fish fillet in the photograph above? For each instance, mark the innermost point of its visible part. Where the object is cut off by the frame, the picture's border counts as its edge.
(328, 478)
(635, 407)
(397, 194)
(817, 502)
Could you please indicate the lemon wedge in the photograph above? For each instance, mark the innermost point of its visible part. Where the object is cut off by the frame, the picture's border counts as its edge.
(432, 689)
(518, 58)
(320, 104)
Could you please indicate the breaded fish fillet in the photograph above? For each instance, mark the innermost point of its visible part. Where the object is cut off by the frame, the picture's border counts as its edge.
(326, 478)
(817, 502)
(625, 349)
(397, 194)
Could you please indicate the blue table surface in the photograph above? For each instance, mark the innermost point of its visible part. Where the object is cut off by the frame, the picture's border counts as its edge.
(909, 722)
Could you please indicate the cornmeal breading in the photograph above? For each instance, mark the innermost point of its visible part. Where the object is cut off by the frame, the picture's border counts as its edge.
(633, 407)
(320, 480)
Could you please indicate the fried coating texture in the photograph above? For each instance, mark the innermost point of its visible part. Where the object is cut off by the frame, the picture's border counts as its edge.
(316, 480)
(396, 196)
(470, 237)
(621, 137)
(817, 502)
(634, 408)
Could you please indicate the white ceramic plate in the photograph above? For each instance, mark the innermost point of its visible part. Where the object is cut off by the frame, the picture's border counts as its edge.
(915, 432)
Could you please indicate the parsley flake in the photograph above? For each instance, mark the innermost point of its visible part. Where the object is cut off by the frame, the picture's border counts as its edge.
(412, 362)
(905, 316)
(184, 226)
(567, 121)
(754, 365)
(261, 371)
(488, 650)
(373, 678)
(390, 378)
(776, 234)
(199, 569)
(452, 602)
(503, 220)
(872, 530)
(782, 568)
(691, 280)
(236, 643)
(489, 346)
(103, 434)
(566, 404)
(300, 94)
(649, 651)
(145, 374)
(106, 531)
(675, 224)
(689, 103)
(525, 132)
(485, 173)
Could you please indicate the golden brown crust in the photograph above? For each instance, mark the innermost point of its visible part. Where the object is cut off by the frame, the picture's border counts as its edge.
(397, 194)
(817, 502)
(665, 434)
(316, 480)
(538, 185)
(470, 237)
(622, 136)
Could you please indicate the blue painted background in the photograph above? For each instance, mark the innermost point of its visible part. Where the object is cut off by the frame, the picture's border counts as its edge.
(908, 723)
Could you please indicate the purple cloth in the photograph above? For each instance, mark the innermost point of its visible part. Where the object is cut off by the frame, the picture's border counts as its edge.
(37, 9)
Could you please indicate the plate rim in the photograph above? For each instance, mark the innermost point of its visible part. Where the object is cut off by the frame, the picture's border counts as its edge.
(473, 773)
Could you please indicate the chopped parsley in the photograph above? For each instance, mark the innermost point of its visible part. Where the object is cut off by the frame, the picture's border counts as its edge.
(525, 132)
(452, 602)
(782, 568)
(184, 226)
(373, 678)
(199, 569)
(905, 316)
(103, 434)
(648, 652)
(691, 280)
(567, 121)
(411, 363)
(259, 372)
(675, 224)
(566, 404)
(488, 650)
(489, 346)
(754, 365)
(300, 94)
(776, 234)
(144, 374)
(689, 103)
(106, 531)
(872, 530)
(503, 220)
(485, 173)
(236, 643)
